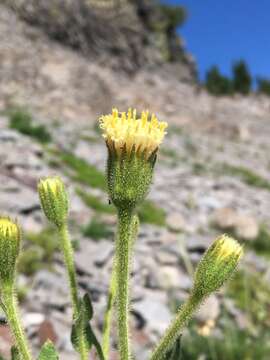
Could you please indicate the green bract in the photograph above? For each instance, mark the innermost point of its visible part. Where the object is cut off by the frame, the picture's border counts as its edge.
(129, 177)
(54, 200)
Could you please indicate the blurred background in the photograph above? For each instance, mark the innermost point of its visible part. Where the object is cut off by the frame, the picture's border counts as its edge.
(202, 67)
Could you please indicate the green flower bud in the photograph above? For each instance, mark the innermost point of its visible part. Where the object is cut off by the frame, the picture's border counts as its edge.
(54, 199)
(217, 265)
(10, 239)
(132, 146)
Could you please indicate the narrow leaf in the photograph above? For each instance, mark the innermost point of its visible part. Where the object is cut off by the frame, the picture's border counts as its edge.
(88, 308)
(81, 327)
(48, 352)
(76, 334)
(97, 346)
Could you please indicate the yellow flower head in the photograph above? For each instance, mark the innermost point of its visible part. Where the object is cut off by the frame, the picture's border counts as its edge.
(53, 184)
(226, 247)
(8, 228)
(10, 239)
(126, 130)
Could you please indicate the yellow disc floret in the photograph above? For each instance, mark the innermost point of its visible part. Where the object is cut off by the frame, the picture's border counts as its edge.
(10, 238)
(51, 183)
(8, 228)
(125, 130)
(227, 246)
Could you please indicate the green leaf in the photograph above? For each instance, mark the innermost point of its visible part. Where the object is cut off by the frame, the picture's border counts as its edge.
(82, 327)
(48, 352)
(76, 334)
(15, 355)
(87, 307)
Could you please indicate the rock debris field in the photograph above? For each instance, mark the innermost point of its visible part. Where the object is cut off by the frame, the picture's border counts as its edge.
(212, 177)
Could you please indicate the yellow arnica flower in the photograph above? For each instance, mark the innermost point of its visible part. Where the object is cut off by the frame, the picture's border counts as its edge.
(227, 246)
(125, 130)
(10, 238)
(51, 183)
(8, 228)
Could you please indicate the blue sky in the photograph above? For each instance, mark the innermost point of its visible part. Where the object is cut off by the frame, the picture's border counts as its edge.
(220, 31)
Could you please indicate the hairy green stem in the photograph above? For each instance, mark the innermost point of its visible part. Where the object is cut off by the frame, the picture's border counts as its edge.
(10, 307)
(123, 241)
(173, 332)
(112, 292)
(67, 249)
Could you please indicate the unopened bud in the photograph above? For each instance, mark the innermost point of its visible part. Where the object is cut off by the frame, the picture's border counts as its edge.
(54, 199)
(217, 265)
(10, 239)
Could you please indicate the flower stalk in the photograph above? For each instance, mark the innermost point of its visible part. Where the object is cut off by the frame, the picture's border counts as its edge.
(183, 316)
(123, 241)
(10, 240)
(54, 201)
(113, 288)
(132, 144)
(216, 267)
(67, 250)
(9, 299)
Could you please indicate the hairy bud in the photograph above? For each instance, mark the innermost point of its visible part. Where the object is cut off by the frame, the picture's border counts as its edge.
(54, 199)
(217, 265)
(10, 239)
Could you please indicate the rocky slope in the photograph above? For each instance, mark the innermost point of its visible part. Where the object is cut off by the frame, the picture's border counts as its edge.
(212, 176)
(125, 35)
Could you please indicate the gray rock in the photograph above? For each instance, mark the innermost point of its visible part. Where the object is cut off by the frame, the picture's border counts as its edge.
(93, 253)
(33, 319)
(31, 223)
(171, 277)
(7, 135)
(17, 198)
(155, 312)
(255, 261)
(240, 317)
(79, 212)
(199, 242)
(225, 218)
(243, 132)
(208, 202)
(175, 222)
(209, 310)
(49, 290)
(166, 258)
(246, 227)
